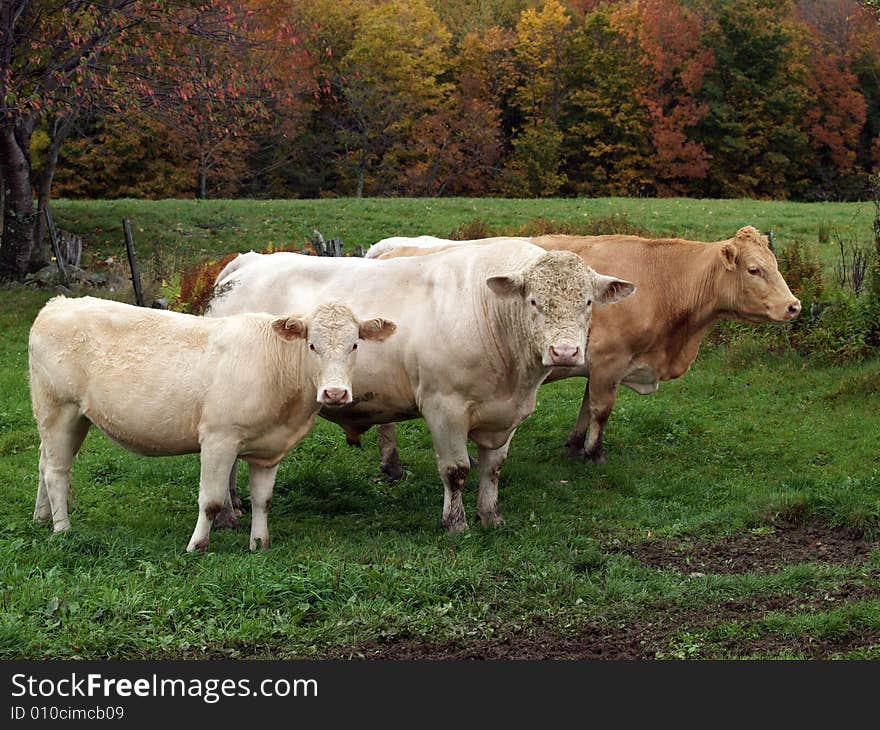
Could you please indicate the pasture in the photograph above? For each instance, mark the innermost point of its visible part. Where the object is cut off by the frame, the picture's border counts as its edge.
(736, 516)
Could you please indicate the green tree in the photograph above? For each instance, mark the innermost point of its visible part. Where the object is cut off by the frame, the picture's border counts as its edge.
(757, 94)
(607, 145)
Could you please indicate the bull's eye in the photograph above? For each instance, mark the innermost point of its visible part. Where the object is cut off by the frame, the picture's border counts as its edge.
(354, 347)
(312, 347)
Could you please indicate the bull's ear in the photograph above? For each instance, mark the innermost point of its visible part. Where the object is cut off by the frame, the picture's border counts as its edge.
(610, 290)
(507, 286)
(290, 328)
(728, 255)
(377, 329)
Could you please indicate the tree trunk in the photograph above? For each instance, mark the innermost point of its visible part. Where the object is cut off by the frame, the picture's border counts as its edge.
(18, 214)
(40, 254)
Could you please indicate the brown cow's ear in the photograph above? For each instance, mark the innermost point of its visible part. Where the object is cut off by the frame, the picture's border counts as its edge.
(290, 328)
(610, 290)
(728, 256)
(377, 329)
(506, 286)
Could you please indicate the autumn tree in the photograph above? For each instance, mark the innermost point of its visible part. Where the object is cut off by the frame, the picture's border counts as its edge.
(390, 79)
(672, 63)
(60, 57)
(607, 142)
(542, 49)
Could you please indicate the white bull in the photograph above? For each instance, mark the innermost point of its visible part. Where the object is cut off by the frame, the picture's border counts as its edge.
(478, 331)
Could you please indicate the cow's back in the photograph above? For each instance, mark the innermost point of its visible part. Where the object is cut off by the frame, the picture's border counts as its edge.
(438, 302)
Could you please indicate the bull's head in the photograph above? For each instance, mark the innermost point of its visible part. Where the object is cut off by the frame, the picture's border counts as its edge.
(332, 332)
(753, 288)
(557, 292)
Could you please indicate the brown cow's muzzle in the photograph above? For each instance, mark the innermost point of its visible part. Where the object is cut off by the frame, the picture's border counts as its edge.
(794, 309)
(566, 355)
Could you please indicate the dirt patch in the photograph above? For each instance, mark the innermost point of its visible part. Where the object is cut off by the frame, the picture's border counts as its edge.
(810, 647)
(789, 543)
(651, 635)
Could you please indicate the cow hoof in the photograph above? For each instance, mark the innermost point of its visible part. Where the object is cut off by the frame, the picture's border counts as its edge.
(43, 516)
(596, 457)
(455, 527)
(199, 546)
(575, 444)
(491, 519)
(262, 542)
(393, 472)
(226, 519)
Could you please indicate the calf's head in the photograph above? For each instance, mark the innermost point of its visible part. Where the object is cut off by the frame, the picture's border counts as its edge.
(752, 287)
(556, 292)
(332, 333)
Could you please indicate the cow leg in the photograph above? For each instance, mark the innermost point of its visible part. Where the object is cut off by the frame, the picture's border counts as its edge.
(578, 435)
(387, 437)
(42, 509)
(61, 438)
(227, 518)
(601, 397)
(353, 434)
(490, 461)
(449, 435)
(261, 481)
(217, 461)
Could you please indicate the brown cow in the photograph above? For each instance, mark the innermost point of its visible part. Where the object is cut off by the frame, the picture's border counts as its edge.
(682, 289)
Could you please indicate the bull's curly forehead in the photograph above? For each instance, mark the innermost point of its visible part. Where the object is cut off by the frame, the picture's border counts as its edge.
(557, 276)
(331, 322)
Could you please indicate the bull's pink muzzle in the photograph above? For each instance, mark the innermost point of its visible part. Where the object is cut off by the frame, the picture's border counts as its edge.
(565, 355)
(334, 396)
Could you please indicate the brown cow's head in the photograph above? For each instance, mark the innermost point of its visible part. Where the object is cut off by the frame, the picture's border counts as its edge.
(557, 291)
(753, 288)
(332, 332)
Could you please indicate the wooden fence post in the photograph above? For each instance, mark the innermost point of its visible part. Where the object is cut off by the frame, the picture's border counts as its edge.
(132, 263)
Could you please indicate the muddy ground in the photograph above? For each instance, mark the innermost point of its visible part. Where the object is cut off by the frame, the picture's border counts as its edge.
(653, 634)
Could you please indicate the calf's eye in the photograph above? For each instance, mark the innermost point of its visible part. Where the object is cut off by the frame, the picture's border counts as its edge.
(533, 302)
(754, 270)
(354, 347)
(312, 347)
(589, 302)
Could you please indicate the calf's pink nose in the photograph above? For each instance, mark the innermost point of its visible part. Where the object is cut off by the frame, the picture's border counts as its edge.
(564, 354)
(335, 395)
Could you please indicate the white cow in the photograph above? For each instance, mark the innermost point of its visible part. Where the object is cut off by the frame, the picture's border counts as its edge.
(478, 331)
(163, 383)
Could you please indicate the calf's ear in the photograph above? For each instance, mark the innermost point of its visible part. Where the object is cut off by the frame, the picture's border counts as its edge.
(290, 328)
(506, 286)
(610, 290)
(377, 329)
(729, 256)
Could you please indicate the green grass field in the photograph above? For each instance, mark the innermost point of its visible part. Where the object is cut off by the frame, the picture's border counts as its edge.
(736, 515)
